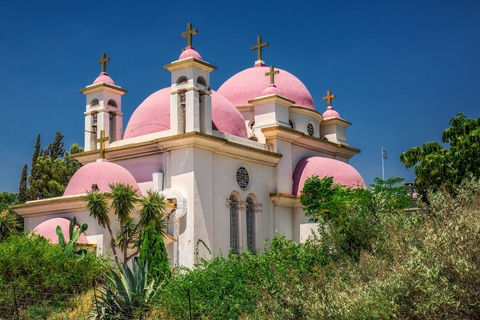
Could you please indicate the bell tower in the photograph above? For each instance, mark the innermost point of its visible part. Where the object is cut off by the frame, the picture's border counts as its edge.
(190, 102)
(103, 108)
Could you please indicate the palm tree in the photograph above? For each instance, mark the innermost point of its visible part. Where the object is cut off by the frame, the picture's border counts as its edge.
(123, 199)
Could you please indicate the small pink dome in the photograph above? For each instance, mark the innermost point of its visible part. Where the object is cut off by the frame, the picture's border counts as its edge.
(153, 115)
(48, 229)
(330, 113)
(103, 77)
(271, 89)
(100, 173)
(250, 83)
(342, 173)
(190, 52)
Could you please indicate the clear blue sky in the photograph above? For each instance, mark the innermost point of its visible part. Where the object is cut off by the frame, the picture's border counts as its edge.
(400, 69)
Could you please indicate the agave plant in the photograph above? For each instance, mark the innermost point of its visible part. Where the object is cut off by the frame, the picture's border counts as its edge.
(127, 294)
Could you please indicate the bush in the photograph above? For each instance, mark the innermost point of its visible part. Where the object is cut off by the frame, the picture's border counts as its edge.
(41, 273)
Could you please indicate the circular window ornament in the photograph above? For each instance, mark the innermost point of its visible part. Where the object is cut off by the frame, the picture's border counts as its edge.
(310, 129)
(290, 123)
(243, 178)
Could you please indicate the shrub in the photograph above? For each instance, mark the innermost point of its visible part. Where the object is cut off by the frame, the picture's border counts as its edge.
(41, 273)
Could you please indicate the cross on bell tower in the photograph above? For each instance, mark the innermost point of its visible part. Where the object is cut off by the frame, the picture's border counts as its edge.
(329, 98)
(103, 62)
(259, 47)
(189, 34)
(272, 74)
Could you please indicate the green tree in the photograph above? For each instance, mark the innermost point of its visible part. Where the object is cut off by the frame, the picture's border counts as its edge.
(35, 155)
(22, 188)
(52, 172)
(55, 149)
(10, 222)
(122, 200)
(154, 254)
(436, 166)
(350, 218)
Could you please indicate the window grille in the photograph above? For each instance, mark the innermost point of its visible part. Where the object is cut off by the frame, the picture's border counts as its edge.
(310, 129)
(234, 243)
(250, 210)
(243, 178)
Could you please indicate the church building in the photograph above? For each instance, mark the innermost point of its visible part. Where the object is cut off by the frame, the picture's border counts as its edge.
(232, 162)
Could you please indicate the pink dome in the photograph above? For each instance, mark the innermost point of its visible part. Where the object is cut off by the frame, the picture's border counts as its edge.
(103, 77)
(48, 229)
(153, 115)
(100, 173)
(271, 89)
(190, 52)
(250, 83)
(342, 172)
(330, 113)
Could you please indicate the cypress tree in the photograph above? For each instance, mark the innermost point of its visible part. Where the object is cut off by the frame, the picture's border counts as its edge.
(55, 149)
(154, 252)
(36, 153)
(22, 188)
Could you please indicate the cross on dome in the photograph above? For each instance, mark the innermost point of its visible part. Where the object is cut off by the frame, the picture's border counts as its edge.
(189, 33)
(329, 97)
(103, 62)
(102, 141)
(259, 47)
(272, 74)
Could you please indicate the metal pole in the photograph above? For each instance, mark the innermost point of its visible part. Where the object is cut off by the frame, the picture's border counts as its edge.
(383, 167)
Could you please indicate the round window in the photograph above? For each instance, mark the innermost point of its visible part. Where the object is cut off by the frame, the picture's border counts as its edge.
(290, 123)
(243, 178)
(310, 129)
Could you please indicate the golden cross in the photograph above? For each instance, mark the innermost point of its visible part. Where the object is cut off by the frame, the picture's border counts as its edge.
(189, 33)
(259, 47)
(102, 143)
(272, 74)
(329, 98)
(103, 62)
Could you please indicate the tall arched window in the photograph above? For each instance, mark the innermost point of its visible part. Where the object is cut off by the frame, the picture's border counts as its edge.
(250, 211)
(234, 243)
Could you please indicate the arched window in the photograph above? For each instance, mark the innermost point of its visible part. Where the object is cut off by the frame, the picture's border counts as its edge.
(112, 103)
(202, 81)
(94, 103)
(234, 243)
(250, 210)
(182, 80)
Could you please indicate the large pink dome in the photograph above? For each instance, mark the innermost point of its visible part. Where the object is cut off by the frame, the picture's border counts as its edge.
(48, 229)
(250, 83)
(100, 173)
(153, 115)
(342, 172)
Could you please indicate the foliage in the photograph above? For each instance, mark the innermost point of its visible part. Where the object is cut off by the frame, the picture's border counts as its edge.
(154, 252)
(415, 267)
(349, 218)
(22, 187)
(126, 295)
(437, 166)
(10, 222)
(41, 272)
(52, 169)
(35, 155)
(227, 287)
(123, 199)
(73, 233)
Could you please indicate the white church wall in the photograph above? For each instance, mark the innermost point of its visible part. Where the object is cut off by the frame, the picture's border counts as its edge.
(284, 171)
(301, 122)
(261, 183)
(143, 168)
